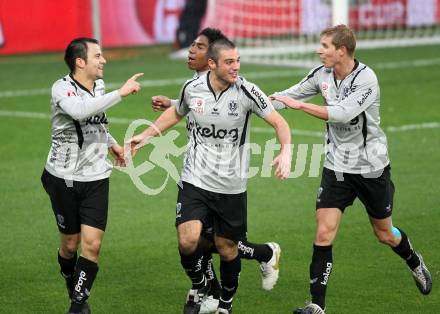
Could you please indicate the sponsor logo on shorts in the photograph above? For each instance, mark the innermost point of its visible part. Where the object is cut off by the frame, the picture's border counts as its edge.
(178, 208)
(60, 221)
(318, 195)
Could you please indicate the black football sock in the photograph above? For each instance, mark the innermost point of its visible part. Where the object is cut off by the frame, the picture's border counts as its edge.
(404, 250)
(259, 252)
(67, 270)
(230, 273)
(320, 269)
(211, 276)
(85, 274)
(193, 266)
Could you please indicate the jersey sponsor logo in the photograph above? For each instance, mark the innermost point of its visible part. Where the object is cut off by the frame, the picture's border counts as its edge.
(364, 97)
(98, 119)
(212, 131)
(71, 93)
(198, 106)
(259, 97)
(232, 108)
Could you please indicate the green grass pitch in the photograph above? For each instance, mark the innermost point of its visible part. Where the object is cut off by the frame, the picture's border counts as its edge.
(139, 264)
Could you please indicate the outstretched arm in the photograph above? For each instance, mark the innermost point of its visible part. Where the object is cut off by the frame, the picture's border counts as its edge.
(162, 103)
(284, 159)
(320, 112)
(78, 108)
(166, 120)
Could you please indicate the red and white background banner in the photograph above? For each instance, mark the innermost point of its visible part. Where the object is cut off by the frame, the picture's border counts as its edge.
(48, 25)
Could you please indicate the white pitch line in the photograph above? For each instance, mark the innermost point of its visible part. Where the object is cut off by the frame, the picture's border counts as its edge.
(250, 75)
(126, 121)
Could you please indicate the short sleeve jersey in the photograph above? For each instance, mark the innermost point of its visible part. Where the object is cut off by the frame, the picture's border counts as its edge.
(216, 158)
(355, 142)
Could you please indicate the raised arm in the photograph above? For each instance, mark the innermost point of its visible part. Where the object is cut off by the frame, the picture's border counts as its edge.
(317, 111)
(77, 108)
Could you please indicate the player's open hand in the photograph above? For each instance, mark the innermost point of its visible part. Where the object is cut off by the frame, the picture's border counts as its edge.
(135, 143)
(160, 103)
(283, 163)
(289, 102)
(131, 86)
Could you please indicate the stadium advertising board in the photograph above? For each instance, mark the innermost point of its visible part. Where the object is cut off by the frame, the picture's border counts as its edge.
(45, 25)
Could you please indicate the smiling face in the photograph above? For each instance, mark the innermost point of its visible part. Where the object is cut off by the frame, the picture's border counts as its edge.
(197, 59)
(93, 67)
(328, 53)
(227, 67)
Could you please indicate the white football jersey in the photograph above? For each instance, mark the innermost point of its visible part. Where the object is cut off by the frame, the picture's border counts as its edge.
(80, 136)
(355, 142)
(216, 158)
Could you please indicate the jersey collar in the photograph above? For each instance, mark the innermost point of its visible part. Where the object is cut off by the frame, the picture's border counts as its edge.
(212, 90)
(83, 87)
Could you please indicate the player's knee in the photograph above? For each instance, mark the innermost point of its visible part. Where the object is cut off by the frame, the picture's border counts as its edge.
(227, 249)
(69, 246)
(385, 237)
(188, 242)
(91, 246)
(325, 235)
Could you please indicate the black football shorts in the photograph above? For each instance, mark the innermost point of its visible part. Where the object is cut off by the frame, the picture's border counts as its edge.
(227, 211)
(82, 203)
(375, 192)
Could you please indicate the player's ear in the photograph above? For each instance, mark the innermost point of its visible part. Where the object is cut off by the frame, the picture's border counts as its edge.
(80, 63)
(343, 50)
(211, 63)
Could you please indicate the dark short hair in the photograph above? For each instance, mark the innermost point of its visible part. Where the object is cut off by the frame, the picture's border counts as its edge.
(212, 34)
(77, 49)
(342, 35)
(218, 45)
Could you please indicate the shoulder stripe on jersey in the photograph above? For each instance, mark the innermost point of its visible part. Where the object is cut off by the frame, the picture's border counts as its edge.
(246, 92)
(79, 133)
(312, 74)
(183, 91)
(243, 133)
(352, 81)
(328, 132)
(74, 85)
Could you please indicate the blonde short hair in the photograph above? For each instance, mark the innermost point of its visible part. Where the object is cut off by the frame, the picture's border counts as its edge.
(341, 35)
